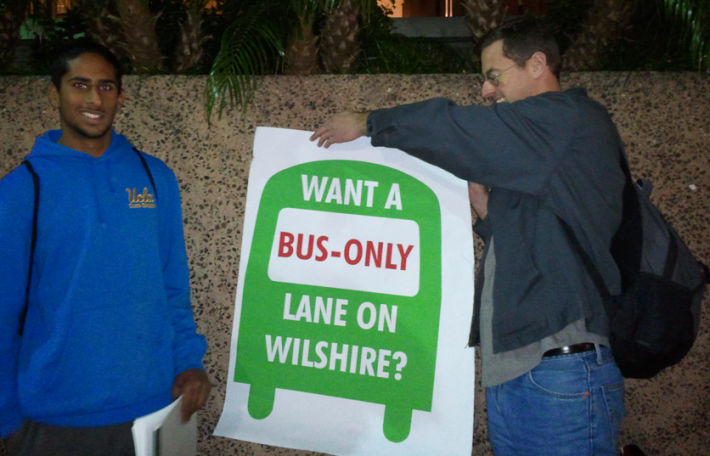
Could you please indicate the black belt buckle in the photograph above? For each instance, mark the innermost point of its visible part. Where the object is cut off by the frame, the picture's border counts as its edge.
(570, 349)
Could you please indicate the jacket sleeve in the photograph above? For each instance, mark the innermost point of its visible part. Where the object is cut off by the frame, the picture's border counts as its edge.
(509, 145)
(483, 228)
(188, 346)
(16, 210)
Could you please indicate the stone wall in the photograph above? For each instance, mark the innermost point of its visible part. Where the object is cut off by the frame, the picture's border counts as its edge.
(663, 119)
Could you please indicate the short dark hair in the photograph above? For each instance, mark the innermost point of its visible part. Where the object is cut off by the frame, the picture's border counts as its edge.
(522, 37)
(60, 64)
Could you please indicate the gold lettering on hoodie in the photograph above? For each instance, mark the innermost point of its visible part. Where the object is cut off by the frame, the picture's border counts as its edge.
(143, 200)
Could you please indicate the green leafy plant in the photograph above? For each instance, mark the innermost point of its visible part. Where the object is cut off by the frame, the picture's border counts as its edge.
(272, 36)
(694, 16)
(652, 42)
(251, 46)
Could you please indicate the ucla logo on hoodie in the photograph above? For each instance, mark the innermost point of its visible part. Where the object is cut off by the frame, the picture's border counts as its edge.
(144, 199)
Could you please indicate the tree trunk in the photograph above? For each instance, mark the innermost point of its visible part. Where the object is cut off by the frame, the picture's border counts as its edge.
(302, 51)
(606, 22)
(482, 16)
(340, 46)
(104, 26)
(10, 20)
(189, 50)
(141, 42)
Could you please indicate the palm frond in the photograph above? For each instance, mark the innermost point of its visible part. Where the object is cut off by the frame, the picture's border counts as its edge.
(251, 46)
(695, 18)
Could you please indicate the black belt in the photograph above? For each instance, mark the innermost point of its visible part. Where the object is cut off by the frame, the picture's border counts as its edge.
(570, 349)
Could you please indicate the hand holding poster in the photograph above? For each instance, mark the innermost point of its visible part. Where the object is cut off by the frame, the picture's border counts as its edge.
(353, 304)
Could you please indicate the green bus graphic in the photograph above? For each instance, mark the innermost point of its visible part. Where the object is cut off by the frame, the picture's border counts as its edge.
(342, 292)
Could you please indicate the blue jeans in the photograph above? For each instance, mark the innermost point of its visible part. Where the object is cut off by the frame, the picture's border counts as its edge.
(569, 405)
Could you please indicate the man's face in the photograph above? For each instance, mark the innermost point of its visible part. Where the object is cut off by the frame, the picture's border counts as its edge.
(513, 82)
(87, 100)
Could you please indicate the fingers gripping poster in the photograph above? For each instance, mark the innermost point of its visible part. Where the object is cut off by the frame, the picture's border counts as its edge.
(353, 303)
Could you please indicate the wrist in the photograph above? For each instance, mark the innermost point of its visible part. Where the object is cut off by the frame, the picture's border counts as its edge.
(362, 122)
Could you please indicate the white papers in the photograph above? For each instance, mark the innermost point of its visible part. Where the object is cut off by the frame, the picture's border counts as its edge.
(162, 433)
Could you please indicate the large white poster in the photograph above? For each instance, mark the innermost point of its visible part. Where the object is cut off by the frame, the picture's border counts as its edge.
(353, 304)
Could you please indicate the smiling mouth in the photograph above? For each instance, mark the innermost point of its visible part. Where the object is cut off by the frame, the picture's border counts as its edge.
(90, 115)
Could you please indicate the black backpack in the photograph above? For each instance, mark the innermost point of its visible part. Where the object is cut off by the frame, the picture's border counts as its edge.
(654, 321)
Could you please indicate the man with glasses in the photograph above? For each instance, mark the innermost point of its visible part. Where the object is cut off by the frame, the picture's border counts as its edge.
(547, 155)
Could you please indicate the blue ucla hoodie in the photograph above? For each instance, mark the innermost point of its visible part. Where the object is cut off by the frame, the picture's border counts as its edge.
(109, 323)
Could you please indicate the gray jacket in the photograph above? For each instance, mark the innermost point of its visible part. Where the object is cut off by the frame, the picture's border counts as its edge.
(549, 156)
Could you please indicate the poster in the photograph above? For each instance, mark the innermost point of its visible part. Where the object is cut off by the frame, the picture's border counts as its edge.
(353, 304)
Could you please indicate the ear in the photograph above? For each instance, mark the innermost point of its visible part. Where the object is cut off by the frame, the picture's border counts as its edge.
(121, 98)
(53, 96)
(537, 64)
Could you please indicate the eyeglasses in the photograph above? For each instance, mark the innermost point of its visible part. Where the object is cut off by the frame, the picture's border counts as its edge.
(494, 78)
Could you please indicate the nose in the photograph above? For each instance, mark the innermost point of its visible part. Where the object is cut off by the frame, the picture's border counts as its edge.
(93, 96)
(488, 90)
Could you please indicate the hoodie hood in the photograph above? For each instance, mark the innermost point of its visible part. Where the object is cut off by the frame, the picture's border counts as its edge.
(100, 169)
(47, 146)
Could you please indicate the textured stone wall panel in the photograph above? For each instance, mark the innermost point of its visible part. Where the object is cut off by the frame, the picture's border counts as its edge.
(663, 119)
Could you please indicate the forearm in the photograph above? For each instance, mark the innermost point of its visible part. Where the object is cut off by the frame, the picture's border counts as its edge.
(361, 122)
(500, 146)
(429, 131)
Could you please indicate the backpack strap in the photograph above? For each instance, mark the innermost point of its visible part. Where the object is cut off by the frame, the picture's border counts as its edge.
(706, 271)
(671, 258)
(33, 243)
(147, 171)
(627, 242)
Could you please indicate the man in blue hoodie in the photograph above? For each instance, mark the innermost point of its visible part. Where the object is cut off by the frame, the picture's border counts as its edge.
(96, 324)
